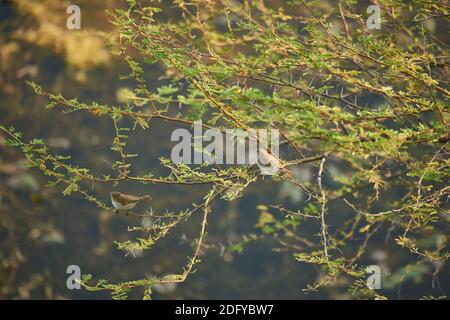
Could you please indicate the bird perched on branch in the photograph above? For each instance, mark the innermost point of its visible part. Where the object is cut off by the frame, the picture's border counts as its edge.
(122, 201)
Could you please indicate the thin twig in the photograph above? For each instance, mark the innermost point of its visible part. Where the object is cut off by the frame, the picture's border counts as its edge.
(323, 201)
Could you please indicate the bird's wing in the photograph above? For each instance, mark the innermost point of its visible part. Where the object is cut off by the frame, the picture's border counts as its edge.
(126, 198)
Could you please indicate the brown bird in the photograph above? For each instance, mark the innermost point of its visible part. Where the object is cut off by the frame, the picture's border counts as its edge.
(122, 201)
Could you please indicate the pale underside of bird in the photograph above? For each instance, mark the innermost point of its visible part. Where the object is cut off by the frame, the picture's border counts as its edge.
(122, 201)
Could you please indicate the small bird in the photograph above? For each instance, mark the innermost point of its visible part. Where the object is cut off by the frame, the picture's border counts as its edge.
(122, 201)
(268, 163)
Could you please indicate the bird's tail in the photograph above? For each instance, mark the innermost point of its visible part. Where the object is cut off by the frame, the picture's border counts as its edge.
(146, 197)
